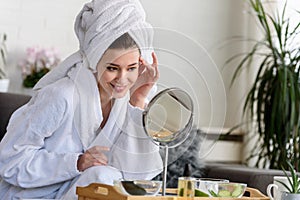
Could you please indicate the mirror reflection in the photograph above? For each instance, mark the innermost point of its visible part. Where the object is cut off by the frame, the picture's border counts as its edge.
(168, 117)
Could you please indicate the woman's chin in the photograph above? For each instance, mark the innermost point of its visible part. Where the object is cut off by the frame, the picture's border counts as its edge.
(118, 95)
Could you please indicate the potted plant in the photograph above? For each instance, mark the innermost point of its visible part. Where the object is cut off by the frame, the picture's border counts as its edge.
(4, 81)
(274, 97)
(293, 187)
(38, 62)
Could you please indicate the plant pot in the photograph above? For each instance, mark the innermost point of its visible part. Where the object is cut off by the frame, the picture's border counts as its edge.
(4, 83)
(290, 196)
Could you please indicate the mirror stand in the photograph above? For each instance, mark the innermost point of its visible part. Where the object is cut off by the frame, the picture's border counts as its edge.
(167, 120)
(165, 166)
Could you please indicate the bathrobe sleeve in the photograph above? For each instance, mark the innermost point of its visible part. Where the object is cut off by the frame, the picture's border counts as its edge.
(134, 153)
(25, 160)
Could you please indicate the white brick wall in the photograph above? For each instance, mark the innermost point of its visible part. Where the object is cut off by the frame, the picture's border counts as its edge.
(47, 23)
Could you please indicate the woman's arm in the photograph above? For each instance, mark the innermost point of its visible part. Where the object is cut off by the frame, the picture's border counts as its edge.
(25, 160)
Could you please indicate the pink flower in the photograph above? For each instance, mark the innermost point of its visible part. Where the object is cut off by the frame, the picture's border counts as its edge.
(38, 58)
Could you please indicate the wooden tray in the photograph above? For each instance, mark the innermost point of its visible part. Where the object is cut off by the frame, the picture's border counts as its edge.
(97, 191)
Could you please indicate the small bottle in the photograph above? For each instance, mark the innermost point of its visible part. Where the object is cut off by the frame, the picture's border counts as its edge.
(187, 170)
(186, 183)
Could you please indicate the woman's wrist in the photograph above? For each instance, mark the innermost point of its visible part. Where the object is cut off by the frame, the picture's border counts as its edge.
(138, 102)
(79, 163)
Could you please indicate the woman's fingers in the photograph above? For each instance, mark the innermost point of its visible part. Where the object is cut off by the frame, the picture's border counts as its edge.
(155, 65)
(151, 69)
(99, 158)
(154, 57)
(97, 152)
(94, 156)
(97, 149)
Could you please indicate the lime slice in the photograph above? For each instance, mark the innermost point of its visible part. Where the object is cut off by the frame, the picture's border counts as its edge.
(199, 193)
(224, 193)
(237, 191)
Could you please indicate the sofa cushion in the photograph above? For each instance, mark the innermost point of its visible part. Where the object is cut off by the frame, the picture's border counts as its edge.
(8, 104)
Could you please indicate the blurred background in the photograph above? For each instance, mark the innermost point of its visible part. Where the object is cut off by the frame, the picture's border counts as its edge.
(193, 40)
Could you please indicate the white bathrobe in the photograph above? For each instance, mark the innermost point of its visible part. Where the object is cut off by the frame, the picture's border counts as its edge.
(39, 153)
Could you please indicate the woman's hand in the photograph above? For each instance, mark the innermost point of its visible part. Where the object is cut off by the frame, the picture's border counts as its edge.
(92, 157)
(148, 75)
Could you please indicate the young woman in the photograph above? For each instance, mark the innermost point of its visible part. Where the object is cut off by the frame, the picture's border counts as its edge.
(84, 124)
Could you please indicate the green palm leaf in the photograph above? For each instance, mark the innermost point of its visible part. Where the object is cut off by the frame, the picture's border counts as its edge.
(273, 100)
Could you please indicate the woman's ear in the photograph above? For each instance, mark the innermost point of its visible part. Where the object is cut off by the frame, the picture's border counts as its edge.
(141, 66)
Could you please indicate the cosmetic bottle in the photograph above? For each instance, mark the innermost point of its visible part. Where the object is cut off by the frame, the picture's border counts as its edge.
(186, 183)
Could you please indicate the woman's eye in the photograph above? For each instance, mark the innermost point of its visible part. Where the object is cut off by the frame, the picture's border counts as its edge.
(132, 68)
(110, 68)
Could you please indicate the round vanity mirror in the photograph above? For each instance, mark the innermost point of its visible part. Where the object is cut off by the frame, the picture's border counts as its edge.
(168, 120)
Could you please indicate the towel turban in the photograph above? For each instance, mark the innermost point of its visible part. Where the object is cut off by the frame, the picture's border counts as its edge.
(101, 22)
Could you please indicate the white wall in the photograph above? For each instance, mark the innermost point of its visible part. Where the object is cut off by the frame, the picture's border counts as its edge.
(189, 44)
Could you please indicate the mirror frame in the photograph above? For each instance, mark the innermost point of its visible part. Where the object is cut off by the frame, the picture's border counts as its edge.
(188, 125)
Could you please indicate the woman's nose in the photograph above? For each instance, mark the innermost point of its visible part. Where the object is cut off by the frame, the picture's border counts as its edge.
(122, 75)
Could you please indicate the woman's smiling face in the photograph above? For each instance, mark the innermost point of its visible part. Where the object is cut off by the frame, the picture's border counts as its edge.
(117, 71)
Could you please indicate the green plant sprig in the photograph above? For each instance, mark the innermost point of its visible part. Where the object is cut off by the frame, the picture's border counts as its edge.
(3, 55)
(294, 184)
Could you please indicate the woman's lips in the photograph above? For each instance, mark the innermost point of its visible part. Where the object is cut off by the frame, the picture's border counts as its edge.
(119, 88)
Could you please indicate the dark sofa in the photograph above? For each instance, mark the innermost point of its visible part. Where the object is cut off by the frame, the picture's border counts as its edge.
(256, 178)
(8, 104)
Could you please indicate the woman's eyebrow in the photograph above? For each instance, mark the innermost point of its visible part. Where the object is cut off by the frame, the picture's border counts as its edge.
(116, 65)
(113, 64)
(132, 64)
